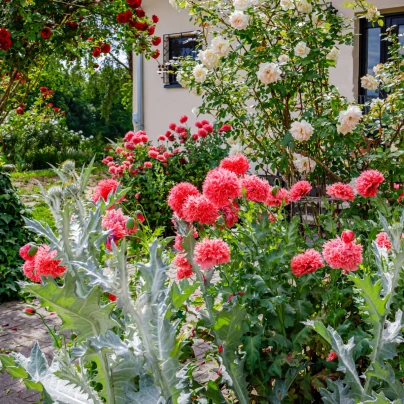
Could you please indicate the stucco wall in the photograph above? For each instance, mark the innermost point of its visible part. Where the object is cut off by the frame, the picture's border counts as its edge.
(162, 105)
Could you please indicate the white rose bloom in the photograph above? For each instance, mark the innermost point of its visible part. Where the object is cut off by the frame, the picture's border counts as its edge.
(182, 79)
(241, 5)
(372, 13)
(282, 59)
(199, 73)
(302, 130)
(239, 20)
(220, 46)
(303, 164)
(257, 2)
(287, 5)
(377, 69)
(302, 50)
(209, 58)
(315, 19)
(304, 7)
(195, 111)
(269, 72)
(349, 119)
(334, 54)
(369, 82)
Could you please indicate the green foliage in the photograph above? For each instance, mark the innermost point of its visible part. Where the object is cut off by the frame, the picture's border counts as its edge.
(13, 236)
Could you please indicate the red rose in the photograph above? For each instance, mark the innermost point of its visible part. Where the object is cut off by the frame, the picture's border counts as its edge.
(4, 34)
(56, 109)
(43, 89)
(5, 44)
(155, 54)
(122, 18)
(73, 25)
(156, 41)
(96, 66)
(105, 48)
(140, 13)
(50, 92)
(140, 26)
(151, 30)
(134, 3)
(45, 33)
(96, 52)
(155, 19)
(20, 111)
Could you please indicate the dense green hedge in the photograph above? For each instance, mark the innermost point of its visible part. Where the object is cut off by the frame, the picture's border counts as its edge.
(12, 237)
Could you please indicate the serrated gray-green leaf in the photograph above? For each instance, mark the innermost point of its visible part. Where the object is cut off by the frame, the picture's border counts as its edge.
(394, 387)
(84, 316)
(251, 345)
(380, 398)
(337, 393)
(391, 336)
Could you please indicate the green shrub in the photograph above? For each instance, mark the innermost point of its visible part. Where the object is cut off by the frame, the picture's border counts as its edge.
(12, 235)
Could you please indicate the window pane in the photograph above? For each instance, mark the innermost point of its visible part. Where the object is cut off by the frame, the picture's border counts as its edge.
(373, 55)
(182, 47)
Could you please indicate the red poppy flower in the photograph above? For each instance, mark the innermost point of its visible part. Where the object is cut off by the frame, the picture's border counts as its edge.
(45, 33)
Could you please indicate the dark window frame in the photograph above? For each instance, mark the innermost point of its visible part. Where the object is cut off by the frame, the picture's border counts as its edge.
(169, 79)
(393, 19)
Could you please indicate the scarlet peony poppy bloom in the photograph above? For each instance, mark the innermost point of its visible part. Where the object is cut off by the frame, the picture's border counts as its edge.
(332, 356)
(209, 253)
(184, 267)
(277, 197)
(96, 52)
(299, 190)
(156, 41)
(178, 243)
(341, 191)
(230, 214)
(382, 240)
(115, 221)
(340, 254)
(256, 189)
(306, 263)
(198, 208)
(238, 164)
(104, 189)
(45, 33)
(155, 19)
(178, 195)
(105, 48)
(220, 186)
(368, 182)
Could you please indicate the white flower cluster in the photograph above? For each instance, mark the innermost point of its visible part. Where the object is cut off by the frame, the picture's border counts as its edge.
(372, 13)
(269, 73)
(303, 6)
(241, 5)
(303, 164)
(349, 119)
(209, 58)
(199, 73)
(301, 131)
(369, 82)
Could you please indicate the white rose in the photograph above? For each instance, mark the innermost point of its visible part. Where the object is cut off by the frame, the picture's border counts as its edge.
(208, 58)
(257, 2)
(372, 13)
(241, 5)
(302, 130)
(349, 119)
(282, 59)
(302, 50)
(199, 73)
(220, 46)
(195, 111)
(303, 164)
(369, 82)
(304, 7)
(182, 79)
(334, 54)
(239, 20)
(377, 69)
(315, 19)
(269, 72)
(287, 5)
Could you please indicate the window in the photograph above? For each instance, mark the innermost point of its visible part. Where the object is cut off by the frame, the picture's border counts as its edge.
(373, 50)
(176, 46)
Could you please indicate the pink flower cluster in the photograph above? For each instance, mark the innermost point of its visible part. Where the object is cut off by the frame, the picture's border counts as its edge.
(341, 191)
(306, 263)
(382, 240)
(43, 263)
(184, 267)
(368, 183)
(116, 222)
(210, 253)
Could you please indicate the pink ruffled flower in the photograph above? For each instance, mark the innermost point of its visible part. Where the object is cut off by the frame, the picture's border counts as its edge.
(257, 190)
(368, 182)
(332, 356)
(198, 208)
(24, 252)
(281, 197)
(238, 164)
(382, 240)
(341, 191)
(209, 253)
(299, 190)
(343, 253)
(306, 263)
(178, 243)
(30, 272)
(184, 267)
(115, 221)
(220, 186)
(230, 214)
(178, 194)
(103, 189)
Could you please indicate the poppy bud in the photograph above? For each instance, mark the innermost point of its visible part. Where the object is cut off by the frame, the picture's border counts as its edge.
(29, 311)
(33, 250)
(130, 224)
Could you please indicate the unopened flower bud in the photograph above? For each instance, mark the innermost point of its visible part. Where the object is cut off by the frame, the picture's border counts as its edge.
(130, 223)
(29, 311)
(33, 250)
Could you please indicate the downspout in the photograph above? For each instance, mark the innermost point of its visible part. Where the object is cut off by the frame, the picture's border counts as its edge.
(138, 117)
